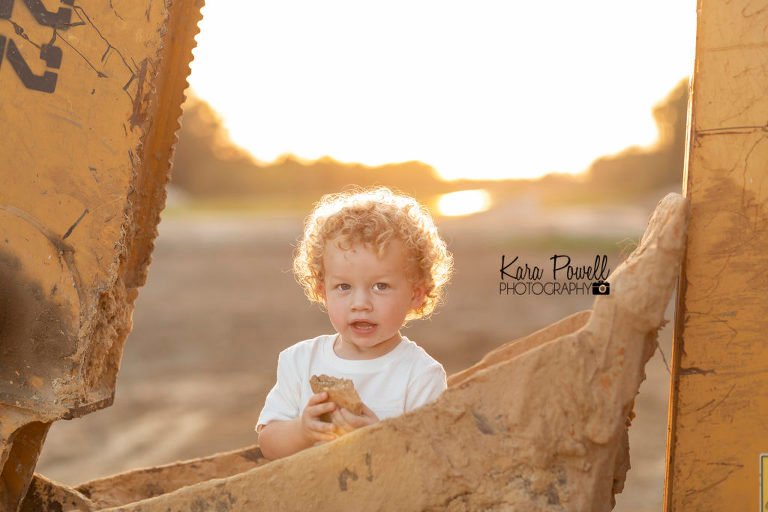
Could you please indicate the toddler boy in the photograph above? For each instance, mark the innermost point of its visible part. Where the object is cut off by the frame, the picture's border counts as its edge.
(374, 260)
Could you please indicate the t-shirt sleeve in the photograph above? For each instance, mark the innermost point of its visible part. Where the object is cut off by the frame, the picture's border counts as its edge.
(426, 387)
(282, 402)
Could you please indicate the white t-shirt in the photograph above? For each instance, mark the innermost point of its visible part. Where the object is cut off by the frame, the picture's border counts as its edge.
(401, 380)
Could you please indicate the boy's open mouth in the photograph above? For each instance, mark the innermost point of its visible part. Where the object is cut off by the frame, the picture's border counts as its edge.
(363, 326)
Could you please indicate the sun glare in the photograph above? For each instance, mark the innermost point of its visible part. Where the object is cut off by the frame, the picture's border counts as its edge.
(496, 90)
(464, 202)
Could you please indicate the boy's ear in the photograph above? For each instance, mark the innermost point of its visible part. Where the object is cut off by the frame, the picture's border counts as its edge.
(418, 296)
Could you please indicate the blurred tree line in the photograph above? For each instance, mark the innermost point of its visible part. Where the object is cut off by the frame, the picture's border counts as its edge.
(207, 165)
(635, 171)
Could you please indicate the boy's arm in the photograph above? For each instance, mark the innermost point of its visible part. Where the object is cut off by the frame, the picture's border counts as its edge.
(279, 439)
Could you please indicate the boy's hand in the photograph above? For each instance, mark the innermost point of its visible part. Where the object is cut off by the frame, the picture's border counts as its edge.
(346, 421)
(312, 426)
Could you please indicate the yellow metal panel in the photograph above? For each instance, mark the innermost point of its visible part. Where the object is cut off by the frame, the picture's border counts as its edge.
(719, 400)
(90, 94)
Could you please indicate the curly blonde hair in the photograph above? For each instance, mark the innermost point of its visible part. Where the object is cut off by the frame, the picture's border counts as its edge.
(374, 217)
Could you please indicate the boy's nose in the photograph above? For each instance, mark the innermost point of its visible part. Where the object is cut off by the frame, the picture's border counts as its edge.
(361, 300)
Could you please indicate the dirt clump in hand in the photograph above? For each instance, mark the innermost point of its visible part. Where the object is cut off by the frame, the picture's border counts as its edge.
(340, 391)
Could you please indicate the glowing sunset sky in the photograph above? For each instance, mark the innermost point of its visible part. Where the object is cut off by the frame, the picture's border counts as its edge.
(481, 89)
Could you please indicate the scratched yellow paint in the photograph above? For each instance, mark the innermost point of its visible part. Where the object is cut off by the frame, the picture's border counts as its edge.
(719, 395)
(764, 482)
(82, 87)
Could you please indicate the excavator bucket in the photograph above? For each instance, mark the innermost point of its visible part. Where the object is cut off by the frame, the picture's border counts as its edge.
(539, 425)
(90, 97)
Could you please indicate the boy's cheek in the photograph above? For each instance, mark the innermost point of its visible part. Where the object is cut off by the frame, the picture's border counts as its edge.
(333, 314)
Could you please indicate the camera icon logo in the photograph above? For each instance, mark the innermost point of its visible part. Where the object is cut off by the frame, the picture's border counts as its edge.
(601, 288)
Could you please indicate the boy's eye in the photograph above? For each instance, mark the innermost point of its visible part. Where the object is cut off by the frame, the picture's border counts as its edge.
(381, 286)
(342, 286)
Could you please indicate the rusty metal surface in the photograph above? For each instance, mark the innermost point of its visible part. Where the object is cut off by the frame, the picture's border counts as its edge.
(144, 483)
(718, 412)
(90, 98)
(87, 144)
(138, 484)
(47, 495)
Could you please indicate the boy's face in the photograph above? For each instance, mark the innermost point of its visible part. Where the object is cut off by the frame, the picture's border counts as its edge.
(368, 297)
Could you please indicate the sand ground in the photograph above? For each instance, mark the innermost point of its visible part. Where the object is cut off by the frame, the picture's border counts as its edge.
(220, 303)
